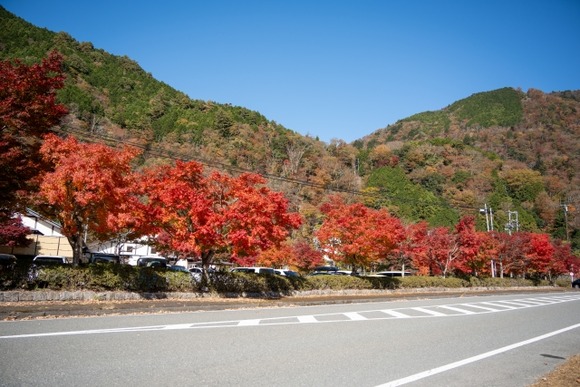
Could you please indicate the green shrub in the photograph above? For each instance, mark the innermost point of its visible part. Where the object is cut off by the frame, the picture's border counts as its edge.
(563, 282)
(114, 277)
(337, 282)
(432, 282)
(226, 282)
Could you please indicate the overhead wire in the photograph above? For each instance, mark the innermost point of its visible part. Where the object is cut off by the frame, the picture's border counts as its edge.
(163, 153)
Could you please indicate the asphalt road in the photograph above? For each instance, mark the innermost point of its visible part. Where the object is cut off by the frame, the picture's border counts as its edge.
(493, 340)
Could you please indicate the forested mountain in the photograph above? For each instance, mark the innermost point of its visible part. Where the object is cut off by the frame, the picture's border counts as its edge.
(508, 149)
(514, 151)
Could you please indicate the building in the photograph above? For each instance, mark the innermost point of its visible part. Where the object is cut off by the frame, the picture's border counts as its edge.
(46, 238)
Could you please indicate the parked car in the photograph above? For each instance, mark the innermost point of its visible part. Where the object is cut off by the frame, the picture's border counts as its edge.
(286, 273)
(178, 268)
(394, 273)
(41, 261)
(291, 273)
(152, 262)
(324, 270)
(347, 272)
(7, 262)
(576, 283)
(44, 260)
(104, 258)
(196, 273)
(254, 270)
(196, 270)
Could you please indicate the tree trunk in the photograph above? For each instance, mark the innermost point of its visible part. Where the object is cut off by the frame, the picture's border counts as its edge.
(76, 242)
(206, 258)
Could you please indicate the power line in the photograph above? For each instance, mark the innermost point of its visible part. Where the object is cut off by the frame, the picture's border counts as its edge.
(380, 194)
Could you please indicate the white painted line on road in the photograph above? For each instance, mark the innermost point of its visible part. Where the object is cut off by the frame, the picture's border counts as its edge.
(482, 307)
(473, 359)
(246, 323)
(455, 309)
(326, 318)
(355, 316)
(177, 326)
(394, 313)
(429, 312)
(307, 319)
(534, 302)
(518, 303)
(546, 300)
(498, 304)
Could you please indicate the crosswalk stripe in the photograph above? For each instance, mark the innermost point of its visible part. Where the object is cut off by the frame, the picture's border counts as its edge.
(244, 323)
(429, 311)
(482, 307)
(307, 319)
(355, 316)
(464, 311)
(394, 313)
(500, 305)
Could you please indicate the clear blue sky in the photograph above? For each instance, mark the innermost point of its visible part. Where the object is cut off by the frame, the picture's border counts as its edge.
(331, 68)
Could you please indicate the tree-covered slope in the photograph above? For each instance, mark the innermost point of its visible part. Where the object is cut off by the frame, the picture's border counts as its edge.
(512, 150)
(112, 96)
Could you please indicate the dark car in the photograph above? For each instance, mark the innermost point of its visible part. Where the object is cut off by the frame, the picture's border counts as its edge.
(104, 258)
(178, 268)
(324, 270)
(7, 262)
(152, 262)
(576, 283)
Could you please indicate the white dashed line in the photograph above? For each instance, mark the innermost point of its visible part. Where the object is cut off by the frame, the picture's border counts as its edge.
(369, 315)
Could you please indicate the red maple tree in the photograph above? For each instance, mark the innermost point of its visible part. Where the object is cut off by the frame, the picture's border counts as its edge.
(28, 110)
(298, 254)
(469, 241)
(90, 189)
(357, 235)
(198, 216)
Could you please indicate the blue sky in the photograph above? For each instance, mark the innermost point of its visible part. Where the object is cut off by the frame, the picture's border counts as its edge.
(331, 68)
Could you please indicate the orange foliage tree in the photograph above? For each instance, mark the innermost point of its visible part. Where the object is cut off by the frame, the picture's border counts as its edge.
(442, 251)
(89, 189)
(411, 249)
(469, 241)
(298, 254)
(357, 235)
(199, 216)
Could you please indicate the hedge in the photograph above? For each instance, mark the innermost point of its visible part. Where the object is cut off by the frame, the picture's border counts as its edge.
(114, 277)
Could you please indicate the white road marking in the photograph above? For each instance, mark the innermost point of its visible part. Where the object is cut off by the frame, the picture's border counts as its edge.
(397, 313)
(498, 303)
(245, 323)
(460, 363)
(482, 307)
(307, 319)
(464, 311)
(355, 316)
(429, 312)
(394, 313)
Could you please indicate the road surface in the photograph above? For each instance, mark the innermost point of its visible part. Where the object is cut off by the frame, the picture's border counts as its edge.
(506, 340)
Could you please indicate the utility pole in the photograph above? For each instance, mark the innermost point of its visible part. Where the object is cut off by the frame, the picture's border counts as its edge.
(565, 207)
(488, 217)
(513, 222)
